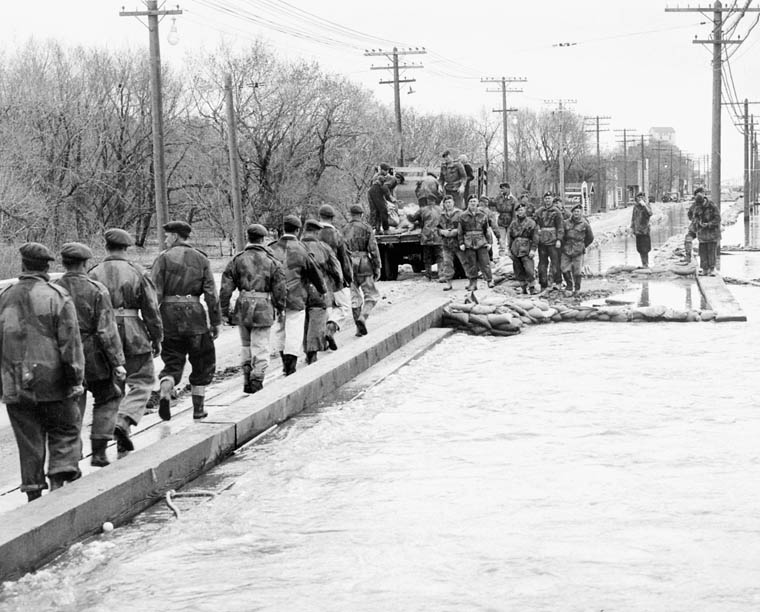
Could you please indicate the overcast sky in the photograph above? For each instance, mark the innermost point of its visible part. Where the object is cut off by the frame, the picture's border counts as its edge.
(631, 61)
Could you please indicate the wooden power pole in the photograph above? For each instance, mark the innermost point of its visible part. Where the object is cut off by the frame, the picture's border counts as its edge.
(232, 146)
(602, 193)
(505, 110)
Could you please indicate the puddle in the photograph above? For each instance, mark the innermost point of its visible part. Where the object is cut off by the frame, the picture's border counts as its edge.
(679, 294)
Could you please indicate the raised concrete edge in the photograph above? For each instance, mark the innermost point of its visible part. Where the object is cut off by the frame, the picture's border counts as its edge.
(34, 533)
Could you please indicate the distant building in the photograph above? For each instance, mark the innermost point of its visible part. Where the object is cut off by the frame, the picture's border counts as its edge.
(665, 134)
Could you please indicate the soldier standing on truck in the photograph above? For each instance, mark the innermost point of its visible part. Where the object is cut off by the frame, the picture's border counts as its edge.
(551, 229)
(378, 195)
(474, 235)
(462, 159)
(133, 297)
(181, 274)
(428, 190)
(365, 258)
(103, 353)
(505, 206)
(260, 280)
(453, 179)
(449, 229)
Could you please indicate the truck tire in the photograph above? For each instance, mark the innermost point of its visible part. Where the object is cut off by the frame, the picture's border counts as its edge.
(390, 265)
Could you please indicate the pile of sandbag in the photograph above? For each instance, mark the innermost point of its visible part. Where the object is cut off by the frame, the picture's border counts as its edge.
(503, 316)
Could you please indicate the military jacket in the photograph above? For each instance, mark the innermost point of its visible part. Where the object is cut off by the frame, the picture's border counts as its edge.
(428, 218)
(473, 229)
(300, 270)
(329, 266)
(551, 225)
(522, 236)
(578, 235)
(183, 270)
(334, 238)
(505, 206)
(452, 175)
(41, 355)
(365, 254)
(131, 290)
(448, 226)
(97, 325)
(254, 271)
(707, 222)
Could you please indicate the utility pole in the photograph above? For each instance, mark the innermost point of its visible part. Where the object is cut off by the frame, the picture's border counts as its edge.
(626, 133)
(670, 173)
(504, 110)
(157, 113)
(678, 178)
(644, 184)
(396, 82)
(232, 146)
(717, 43)
(755, 177)
(602, 193)
(561, 149)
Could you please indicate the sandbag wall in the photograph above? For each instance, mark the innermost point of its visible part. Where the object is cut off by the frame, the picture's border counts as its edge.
(506, 317)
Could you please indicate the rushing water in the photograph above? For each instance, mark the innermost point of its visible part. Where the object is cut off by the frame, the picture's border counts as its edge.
(594, 466)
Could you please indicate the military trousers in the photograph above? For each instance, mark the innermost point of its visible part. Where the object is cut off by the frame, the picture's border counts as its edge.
(502, 231)
(141, 375)
(341, 308)
(525, 269)
(315, 329)
(364, 293)
(450, 256)
(477, 259)
(254, 349)
(105, 397)
(572, 269)
(198, 349)
(288, 332)
(549, 264)
(42, 428)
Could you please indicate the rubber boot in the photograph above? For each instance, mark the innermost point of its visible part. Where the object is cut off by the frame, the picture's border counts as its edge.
(361, 327)
(57, 481)
(165, 398)
(311, 357)
(688, 245)
(32, 495)
(473, 285)
(289, 364)
(122, 434)
(198, 395)
(256, 385)
(645, 260)
(99, 457)
(247, 378)
(332, 328)
(525, 289)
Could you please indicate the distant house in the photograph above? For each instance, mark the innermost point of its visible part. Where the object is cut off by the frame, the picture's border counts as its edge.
(665, 134)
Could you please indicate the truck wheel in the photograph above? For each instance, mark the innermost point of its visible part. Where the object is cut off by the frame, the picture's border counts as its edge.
(390, 266)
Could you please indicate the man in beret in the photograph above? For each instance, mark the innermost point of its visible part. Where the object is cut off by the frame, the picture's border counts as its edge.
(41, 373)
(300, 270)
(133, 297)
(181, 275)
(578, 236)
(428, 218)
(449, 230)
(365, 260)
(522, 242)
(551, 230)
(453, 179)
(315, 337)
(505, 207)
(474, 236)
(340, 307)
(104, 369)
(259, 278)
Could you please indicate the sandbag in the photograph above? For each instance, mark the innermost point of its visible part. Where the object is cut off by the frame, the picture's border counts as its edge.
(459, 318)
(482, 309)
(499, 319)
(707, 315)
(481, 320)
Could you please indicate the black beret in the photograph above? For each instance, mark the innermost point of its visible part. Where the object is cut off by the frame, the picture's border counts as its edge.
(256, 230)
(504, 185)
(292, 220)
(520, 205)
(76, 251)
(549, 194)
(118, 237)
(326, 211)
(178, 227)
(578, 205)
(36, 252)
(312, 224)
(356, 209)
(385, 166)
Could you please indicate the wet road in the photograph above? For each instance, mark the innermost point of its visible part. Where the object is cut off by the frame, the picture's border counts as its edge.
(573, 467)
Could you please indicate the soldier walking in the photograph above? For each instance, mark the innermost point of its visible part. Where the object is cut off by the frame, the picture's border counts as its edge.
(139, 321)
(365, 259)
(522, 239)
(474, 236)
(317, 303)
(341, 301)
(300, 270)
(260, 280)
(103, 355)
(41, 373)
(578, 236)
(449, 230)
(181, 274)
(551, 230)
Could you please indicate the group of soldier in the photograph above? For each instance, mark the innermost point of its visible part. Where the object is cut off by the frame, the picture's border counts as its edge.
(99, 329)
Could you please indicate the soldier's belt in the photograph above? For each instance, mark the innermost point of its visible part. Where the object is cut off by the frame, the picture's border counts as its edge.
(365, 253)
(262, 295)
(181, 298)
(126, 312)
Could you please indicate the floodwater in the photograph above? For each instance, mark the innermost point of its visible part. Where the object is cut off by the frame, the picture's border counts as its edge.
(594, 466)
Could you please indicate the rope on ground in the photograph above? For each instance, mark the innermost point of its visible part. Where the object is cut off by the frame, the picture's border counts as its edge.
(171, 494)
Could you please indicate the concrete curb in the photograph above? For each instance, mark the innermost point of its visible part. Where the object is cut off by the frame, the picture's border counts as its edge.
(34, 533)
